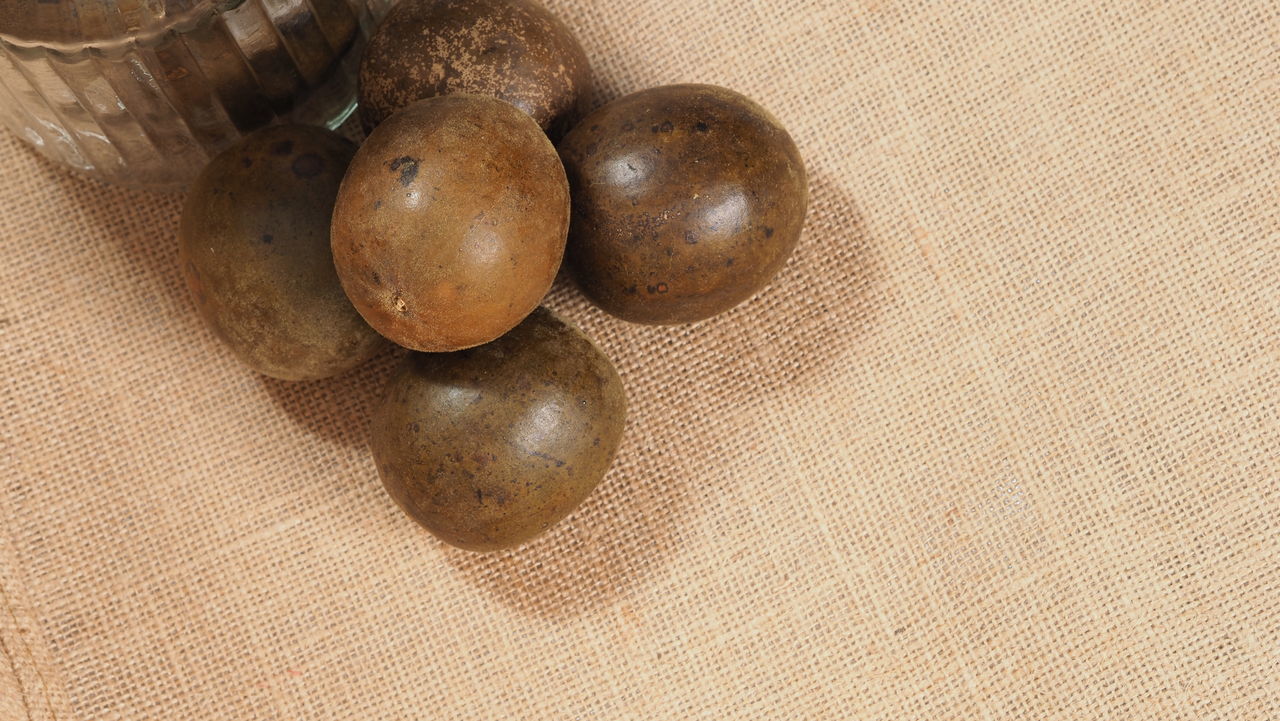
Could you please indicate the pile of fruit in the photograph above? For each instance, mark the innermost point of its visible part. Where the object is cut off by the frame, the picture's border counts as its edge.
(443, 232)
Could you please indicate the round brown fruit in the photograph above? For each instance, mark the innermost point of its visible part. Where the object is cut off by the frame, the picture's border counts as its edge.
(450, 225)
(515, 50)
(489, 447)
(254, 249)
(687, 199)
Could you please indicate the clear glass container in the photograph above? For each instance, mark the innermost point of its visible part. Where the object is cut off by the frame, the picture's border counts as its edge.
(143, 92)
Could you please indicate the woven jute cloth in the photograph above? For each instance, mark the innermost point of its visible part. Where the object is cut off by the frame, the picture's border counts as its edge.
(1001, 441)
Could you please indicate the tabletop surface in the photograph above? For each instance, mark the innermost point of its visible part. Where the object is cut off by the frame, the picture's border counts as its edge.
(1000, 442)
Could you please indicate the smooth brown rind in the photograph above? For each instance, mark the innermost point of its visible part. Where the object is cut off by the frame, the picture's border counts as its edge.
(451, 222)
(687, 200)
(514, 50)
(254, 250)
(489, 447)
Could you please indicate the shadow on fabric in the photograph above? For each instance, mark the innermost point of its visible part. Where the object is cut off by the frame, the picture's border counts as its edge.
(686, 384)
(337, 409)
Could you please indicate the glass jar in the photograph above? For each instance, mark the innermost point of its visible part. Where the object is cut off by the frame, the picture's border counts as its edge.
(143, 92)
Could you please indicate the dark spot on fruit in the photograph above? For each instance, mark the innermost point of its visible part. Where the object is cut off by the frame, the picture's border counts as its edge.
(629, 290)
(282, 147)
(267, 238)
(768, 232)
(377, 204)
(408, 168)
(596, 442)
(628, 126)
(690, 238)
(377, 279)
(669, 251)
(595, 128)
(246, 161)
(479, 496)
(659, 288)
(308, 165)
(701, 127)
(550, 459)
(665, 127)
(728, 262)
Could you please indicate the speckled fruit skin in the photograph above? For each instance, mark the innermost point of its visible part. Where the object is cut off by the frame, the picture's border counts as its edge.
(687, 200)
(254, 249)
(451, 223)
(515, 50)
(491, 446)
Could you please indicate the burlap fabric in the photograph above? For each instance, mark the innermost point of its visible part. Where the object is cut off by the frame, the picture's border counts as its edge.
(999, 443)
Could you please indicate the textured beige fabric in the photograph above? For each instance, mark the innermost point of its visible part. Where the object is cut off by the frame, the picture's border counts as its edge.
(1001, 442)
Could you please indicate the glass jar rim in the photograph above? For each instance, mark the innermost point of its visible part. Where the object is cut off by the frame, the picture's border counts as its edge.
(73, 25)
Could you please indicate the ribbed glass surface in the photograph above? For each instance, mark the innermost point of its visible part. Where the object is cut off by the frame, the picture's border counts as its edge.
(143, 92)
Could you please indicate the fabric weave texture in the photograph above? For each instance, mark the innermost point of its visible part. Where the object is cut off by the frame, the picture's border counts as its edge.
(1000, 442)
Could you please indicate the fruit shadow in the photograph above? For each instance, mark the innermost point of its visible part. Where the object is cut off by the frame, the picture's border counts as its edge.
(144, 224)
(337, 409)
(685, 384)
(791, 335)
(788, 337)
